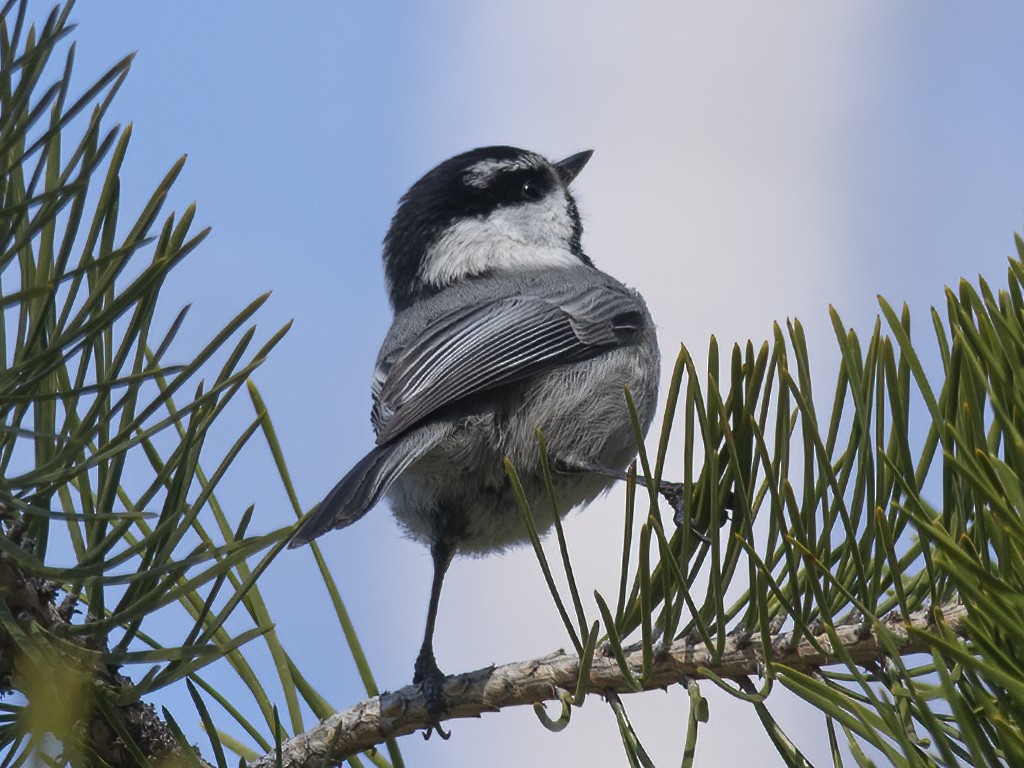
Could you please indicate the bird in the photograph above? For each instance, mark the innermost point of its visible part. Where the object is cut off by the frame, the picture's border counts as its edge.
(502, 326)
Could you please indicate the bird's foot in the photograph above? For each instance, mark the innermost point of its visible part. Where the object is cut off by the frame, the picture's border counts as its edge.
(430, 680)
(674, 492)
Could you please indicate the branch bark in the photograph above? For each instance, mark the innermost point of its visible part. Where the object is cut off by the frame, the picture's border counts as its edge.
(397, 713)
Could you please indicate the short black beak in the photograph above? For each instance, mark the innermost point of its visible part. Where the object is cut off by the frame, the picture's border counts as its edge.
(570, 168)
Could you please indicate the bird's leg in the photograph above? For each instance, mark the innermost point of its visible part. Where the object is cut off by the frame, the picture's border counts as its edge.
(426, 674)
(671, 492)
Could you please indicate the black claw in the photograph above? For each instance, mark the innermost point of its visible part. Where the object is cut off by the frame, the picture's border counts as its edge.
(430, 679)
(436, 728)
(673, 493)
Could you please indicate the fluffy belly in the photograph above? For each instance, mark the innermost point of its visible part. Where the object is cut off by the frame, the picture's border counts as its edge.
(459, 490)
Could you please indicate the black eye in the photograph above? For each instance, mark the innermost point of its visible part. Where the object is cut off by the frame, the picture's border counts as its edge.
(532, 190)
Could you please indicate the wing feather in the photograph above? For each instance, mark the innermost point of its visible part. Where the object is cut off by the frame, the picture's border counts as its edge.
(490, 345)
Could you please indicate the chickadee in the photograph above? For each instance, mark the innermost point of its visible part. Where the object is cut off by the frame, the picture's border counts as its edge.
(503, 325)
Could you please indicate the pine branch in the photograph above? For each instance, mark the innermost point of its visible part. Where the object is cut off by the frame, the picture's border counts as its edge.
(397, 713)
(30, 600)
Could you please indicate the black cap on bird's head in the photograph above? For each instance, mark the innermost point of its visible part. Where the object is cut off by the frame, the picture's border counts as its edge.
(486, 210)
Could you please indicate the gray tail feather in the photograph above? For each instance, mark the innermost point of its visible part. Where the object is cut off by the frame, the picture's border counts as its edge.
(356, 493)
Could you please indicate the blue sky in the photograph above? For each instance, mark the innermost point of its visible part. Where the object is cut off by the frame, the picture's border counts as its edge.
(751, 164)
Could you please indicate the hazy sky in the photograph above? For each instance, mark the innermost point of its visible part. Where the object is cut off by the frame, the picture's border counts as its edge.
(752, 162)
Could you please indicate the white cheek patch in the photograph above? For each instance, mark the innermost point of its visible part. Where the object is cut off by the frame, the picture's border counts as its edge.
(527, 236)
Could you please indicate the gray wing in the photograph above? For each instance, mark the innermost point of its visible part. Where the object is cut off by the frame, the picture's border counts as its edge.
(490, 345)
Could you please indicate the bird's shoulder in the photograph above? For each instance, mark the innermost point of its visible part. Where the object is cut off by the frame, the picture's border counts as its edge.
(485, 325)
(587, 295)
